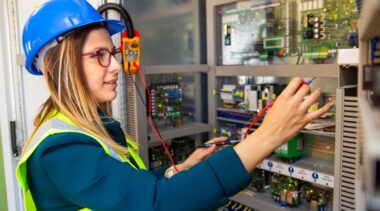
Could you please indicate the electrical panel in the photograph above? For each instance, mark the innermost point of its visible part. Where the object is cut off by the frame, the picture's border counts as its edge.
(289, 192)
(285, 31)
(291, 38)
(167, 102)
(174, 109)
(170, 97)
(300, 173)
(175, 96)
(180, 148)
(236, 206)
(308, 158)
(258, 45)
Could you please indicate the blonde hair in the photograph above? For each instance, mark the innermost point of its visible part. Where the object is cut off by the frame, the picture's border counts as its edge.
(69, 92)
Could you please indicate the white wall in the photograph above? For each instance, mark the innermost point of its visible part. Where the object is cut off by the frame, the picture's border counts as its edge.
(31, 84)
(7, 109)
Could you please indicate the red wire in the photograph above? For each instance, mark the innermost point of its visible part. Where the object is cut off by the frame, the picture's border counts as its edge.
(269, 106)
(257, 118)
(151, 119)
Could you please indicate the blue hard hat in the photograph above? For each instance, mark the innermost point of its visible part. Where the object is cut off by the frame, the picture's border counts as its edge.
(55, 18)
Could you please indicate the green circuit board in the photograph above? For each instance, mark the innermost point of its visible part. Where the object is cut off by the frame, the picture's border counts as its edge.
(284, 31)
(324, 29)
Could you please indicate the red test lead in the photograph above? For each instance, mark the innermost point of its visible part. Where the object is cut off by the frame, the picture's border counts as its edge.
(307, 82)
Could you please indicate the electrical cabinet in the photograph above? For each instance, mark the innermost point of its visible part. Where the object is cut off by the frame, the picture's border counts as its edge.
(172, 30)
(253, 49)
(178, 96)
(172, 34)
(368, 89)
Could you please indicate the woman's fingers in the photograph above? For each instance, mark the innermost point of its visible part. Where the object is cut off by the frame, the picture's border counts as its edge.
(203, 153)
(210, 151)
(314, 115)
(292, 87)
(303, 91)
(216, 139)
(198, 156)
(311, 99)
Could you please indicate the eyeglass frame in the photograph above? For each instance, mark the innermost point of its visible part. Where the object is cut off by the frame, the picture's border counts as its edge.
(111, 53)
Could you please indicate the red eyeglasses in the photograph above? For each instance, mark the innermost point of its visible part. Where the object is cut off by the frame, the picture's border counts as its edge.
(104, 56)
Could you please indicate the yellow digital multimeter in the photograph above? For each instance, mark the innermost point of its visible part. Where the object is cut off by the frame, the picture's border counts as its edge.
(131, 52)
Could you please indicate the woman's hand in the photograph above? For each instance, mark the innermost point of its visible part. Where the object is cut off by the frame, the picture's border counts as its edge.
(284, 120)
(289, 113)
(200, 154)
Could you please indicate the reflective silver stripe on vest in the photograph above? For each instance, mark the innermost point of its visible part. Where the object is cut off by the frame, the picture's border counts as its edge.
(57, 124)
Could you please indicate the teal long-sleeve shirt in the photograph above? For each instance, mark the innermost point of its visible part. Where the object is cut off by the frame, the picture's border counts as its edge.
(69, 171)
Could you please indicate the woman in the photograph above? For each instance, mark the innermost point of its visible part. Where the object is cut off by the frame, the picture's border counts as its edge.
(78, 157)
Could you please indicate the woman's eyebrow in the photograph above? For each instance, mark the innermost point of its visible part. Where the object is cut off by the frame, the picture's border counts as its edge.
(100, 48)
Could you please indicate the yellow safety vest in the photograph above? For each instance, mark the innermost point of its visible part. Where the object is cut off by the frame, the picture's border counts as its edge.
(61, 124)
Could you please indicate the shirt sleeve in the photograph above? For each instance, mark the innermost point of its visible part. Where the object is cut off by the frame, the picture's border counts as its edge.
(160, 171)
(85, 175)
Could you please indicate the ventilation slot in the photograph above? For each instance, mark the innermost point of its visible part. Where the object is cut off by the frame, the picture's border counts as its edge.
(219, 39)
(349, 153)
(131, 106)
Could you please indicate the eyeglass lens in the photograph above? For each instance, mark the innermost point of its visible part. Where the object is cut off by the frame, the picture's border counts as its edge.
(104, 56)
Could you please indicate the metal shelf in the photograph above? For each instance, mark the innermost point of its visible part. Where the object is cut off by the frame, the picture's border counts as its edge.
(183, 130)
(369, 19)
(319, 133)
(167, 69)
(314, 132)
(311, 70)
(308, 169)
(262, 201)
(233, 120)
(231, 110)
